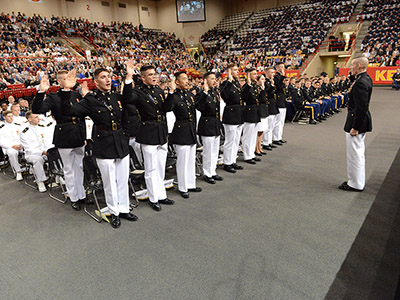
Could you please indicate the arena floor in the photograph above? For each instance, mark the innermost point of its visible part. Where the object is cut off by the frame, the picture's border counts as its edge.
(277, 230)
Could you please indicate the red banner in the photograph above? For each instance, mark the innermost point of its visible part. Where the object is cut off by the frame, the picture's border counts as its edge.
(379, 75)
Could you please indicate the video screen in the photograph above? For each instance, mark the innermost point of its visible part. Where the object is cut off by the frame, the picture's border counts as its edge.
(190, 11)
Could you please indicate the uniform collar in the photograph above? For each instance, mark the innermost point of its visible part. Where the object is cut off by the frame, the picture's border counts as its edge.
(101, 93)
(360, 74)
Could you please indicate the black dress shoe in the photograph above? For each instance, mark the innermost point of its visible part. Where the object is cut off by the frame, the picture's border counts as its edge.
(263, 153)
(156, 206)
(184, 194)
(283, 141)
(229, 168)
(268, 147)
(217, 177)
(250, 161)
(115, 221)
(313, 122)
(273, 146)
(344, 186)
(128, 216)
(195, 190)
(76, 205)
(256, 159)
(166, 201)
(258, 154)
(277, 143)
(237, 167)
(209, 179)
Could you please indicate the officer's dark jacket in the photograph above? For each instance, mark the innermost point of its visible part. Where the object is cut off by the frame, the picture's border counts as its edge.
(326, 90)
(131, 119)
(271, 96)
(307, 94)
(231, 94)
(250, 99)
(209, 106)
(279, 89)
(263, 111)
(70, 132)
(149, 101)
(298, 98)
(105, 109)
(396, 76)
(358, 115)
(183, 105)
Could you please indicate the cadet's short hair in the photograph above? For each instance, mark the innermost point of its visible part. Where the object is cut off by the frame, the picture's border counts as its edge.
(6, 112)
(62, 72)
(259, 76)
(28, 114)
(205, 76)
(279, 63)
(179, 73)
(231, 65)
(146, 68)
(269, 68)
(99, 70)
(250, 70)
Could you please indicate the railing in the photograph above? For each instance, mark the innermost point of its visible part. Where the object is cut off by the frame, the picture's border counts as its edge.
(353, 47)
(202, 46)
(77, 48)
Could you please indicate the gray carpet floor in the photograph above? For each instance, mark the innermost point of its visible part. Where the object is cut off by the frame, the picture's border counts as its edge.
(277, 230)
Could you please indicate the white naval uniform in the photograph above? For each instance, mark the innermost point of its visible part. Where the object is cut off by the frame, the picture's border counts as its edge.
(231, 143)
(136, 147)
(186, 166)
(355, 152)
(9, 136)
(210, 154)
(249, 140)
(267, 136)
(33, 141)
(279, 123)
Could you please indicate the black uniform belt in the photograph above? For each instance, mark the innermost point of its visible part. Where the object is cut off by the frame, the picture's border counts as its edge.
(74, 120)
(112, 127)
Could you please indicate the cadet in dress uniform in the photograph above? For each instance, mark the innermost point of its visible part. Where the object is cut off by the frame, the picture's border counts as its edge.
(152, 133)
(10, 142)
(311, 102)
(209, 128)
(280, 97)
(232, 118)
(33, 140)
(300, 101)
(251, 117)
(183, 135)
(69, 136)
(273, 109)
(263, 112)
(396, 79)
(358, 122)
(110, 143)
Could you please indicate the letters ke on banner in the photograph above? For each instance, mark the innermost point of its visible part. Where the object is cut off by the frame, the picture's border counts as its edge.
(379, 75)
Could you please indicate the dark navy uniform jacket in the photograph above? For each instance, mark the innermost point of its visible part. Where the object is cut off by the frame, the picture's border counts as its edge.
(233, 111)
(250, 98)
(70, 132)
(271, 96)
(131, 120)
(358, 115)
(279, 89)
(209, 106)
(106, 111)
(183, 105)
(263, 111)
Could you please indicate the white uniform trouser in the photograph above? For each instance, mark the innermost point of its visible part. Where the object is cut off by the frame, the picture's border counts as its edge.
(136, 147)
(278, 124)
(72, 159)
(115, 176)
(38, 162)
(186, 166)
(249, 140)
(267, 136)
(210, 154)
(13, 157)
(355, 152)
(155, 158)
(231, 143)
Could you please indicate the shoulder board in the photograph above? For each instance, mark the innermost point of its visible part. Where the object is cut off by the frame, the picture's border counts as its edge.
(25, 130)
(2, 125)
(40, 125)
(49, 124)
(17, 124)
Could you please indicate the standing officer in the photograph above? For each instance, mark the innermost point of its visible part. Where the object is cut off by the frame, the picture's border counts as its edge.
(273, 109)
(232, 118)
(358, 122)
(208, 103)
(183, 136)
(251, 117)
(110, 143)
(280, 97)
(152, 132)
(69, 136)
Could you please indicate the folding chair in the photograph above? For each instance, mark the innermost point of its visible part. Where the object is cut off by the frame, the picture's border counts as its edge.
(93, 183)
(56, 172)
(136, 175)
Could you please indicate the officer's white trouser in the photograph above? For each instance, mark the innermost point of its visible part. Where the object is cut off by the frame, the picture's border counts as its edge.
(249, 140)
(278, 125)
(210, 154)
(72, 159)
(13, 158)
(115, 176)
(136, 147)
(231, 143)
(267, 136)
(186, 166)
(37, 161)
(155, 158)
(355, 152)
